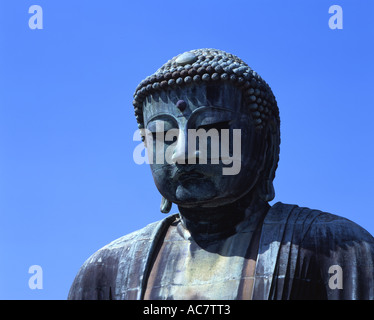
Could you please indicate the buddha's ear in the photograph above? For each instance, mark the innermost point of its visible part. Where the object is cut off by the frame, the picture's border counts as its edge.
(266, 187)
(165, 206)
(267, 192)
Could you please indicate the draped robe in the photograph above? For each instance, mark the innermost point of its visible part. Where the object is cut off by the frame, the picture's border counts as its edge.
(302, 254)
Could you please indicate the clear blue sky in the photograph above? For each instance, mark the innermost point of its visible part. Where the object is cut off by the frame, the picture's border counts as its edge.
(68, 182)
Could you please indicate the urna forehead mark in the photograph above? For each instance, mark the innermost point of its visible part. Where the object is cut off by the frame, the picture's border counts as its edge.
(183, 101)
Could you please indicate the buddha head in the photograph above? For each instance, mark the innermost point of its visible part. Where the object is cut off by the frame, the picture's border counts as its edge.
(212, 130)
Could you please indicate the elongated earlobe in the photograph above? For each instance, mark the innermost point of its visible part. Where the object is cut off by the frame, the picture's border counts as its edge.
(266, 187)
(165, 206)
(267, 193)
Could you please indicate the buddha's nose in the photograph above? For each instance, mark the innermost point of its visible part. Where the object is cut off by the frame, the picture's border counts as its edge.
(181, 154)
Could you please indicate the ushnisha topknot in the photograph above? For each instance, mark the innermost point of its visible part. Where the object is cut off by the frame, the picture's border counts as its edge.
(211, 65)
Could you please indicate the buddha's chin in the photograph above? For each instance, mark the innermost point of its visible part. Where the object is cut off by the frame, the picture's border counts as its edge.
(195, 192)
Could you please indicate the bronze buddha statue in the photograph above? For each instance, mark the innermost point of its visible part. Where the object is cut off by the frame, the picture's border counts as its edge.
(226, 242)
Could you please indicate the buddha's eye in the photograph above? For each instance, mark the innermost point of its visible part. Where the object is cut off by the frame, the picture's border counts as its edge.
(216, 125)
(160, 126)
(165, 131)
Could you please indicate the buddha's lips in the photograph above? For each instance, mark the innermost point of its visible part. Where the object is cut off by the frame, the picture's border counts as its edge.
(184, 175)
(190, 175)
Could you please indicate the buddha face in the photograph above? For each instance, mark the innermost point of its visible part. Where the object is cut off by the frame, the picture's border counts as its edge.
(202, 144)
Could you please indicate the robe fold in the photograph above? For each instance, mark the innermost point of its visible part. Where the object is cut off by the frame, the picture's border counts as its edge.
(302, 254)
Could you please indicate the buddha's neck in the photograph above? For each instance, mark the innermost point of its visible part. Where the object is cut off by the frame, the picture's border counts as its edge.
(211, 224)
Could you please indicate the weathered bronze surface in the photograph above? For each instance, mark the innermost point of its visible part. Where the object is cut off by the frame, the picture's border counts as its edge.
(226, 242)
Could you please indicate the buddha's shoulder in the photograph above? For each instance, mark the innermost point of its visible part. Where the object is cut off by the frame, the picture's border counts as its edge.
(145, 234)
(335, 227)
(102, 266)
(324, 225)
(124, 243)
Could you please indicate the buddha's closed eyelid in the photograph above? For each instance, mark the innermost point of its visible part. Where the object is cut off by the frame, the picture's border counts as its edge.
(159, 125)
(161, 122)
(215, 125)
(211, 118)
